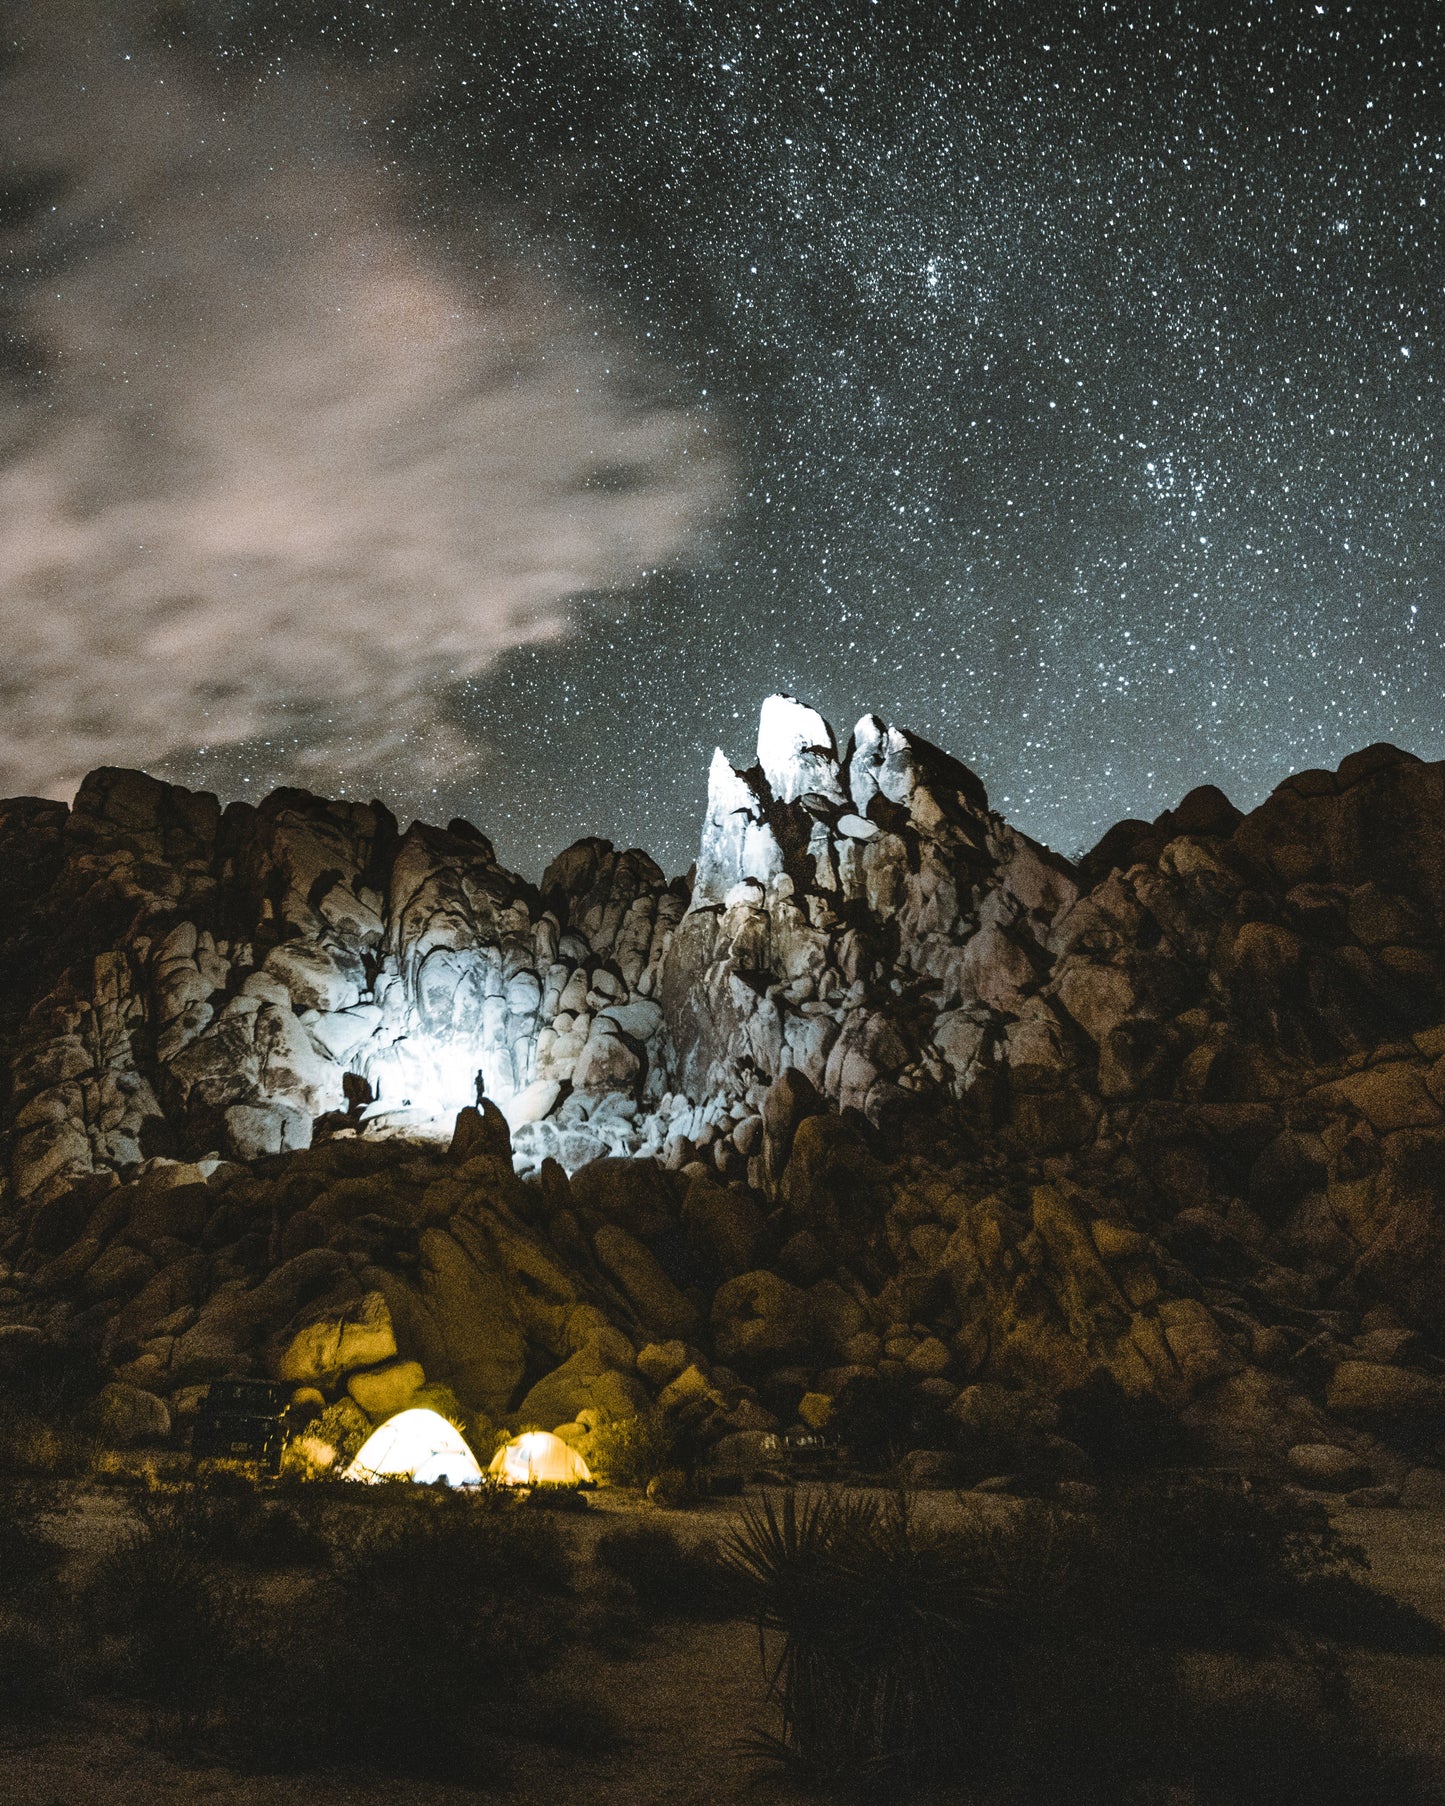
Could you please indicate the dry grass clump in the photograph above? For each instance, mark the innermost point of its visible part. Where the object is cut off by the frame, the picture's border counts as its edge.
(168, 1628)
(34, 1658)
(1214, 1562)
(29, 1560)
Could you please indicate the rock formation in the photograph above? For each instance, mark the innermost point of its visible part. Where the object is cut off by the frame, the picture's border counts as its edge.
(889, 1089)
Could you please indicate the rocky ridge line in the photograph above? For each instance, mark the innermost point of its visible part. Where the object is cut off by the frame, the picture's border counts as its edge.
(1173, 1113)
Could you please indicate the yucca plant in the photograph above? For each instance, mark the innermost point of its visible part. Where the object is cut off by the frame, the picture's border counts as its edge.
(1022, 1656)
(893, 1654)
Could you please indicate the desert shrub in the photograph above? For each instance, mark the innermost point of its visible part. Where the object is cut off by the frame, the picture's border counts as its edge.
(31, 1445)
(46, 1389)
(29, 1560)
(341, 1427)
(879, 1418)
(441, 1399)
(252, 1531)
(171, 1625)
(1344, 1608)
(437, 1631)
(887, 1665)
(226, 1518)
(630, 1451)
(32, 1670)
(672, 1579)
(306, 1459)
(547, 1497)
(1103, 1722)
(496, 1539)
(51, 1381)
(1202, 1560)
(1094, 1722)
(1276, 1742)
(279, 1537)
(1120, 1433)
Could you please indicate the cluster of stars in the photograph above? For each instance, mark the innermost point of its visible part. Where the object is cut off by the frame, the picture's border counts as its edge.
(1079, 367)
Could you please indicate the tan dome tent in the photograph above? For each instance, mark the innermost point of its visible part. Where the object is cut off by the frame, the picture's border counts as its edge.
(538, 1458)
(416, 1445)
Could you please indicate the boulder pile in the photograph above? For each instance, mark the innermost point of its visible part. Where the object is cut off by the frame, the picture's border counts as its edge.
(885, 1094)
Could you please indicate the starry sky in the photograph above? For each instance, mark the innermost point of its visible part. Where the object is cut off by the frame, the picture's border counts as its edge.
(486, 405)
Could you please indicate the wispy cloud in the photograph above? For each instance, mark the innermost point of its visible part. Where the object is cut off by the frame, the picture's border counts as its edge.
(286, 468)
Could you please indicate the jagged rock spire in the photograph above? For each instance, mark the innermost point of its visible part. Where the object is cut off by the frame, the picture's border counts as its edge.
(797, 751)
(737, 843)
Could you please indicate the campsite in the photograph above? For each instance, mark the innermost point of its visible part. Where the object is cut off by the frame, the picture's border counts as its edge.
(419, 1629)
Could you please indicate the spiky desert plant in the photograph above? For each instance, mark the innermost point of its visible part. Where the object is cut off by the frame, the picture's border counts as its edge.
(889, 1658)
(1035, 1655)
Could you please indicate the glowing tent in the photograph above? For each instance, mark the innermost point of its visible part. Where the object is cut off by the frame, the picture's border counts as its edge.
(416, 1445)
(538, 1458)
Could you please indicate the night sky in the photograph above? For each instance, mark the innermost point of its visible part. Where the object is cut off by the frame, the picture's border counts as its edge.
(487, 405)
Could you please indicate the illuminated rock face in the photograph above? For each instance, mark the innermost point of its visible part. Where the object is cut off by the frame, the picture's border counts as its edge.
(183, 979)
(236, 976)
(925, 1100)
(866, 920)
(241, 976)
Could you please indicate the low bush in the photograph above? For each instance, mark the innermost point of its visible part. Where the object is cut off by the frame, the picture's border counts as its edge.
(1345, 1609)
(46, 1391)
(672, 1579)
(34, 1670)
(29, 1559)
(414, 1649)
(428, 1647)
(630, 1451)
(1276, 1743)
(30, 1444)
(33, 1681)
(51, 1382)
(1209, 1560)
(546, 1497)
(489, 1540)
(1121, 1434)
(878, 1419)
(1104, 1723)
(171, 1624)
(236, 1525)
(256, 1532)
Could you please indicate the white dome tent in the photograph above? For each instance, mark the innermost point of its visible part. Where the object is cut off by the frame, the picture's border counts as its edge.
(538, 1458)
(416, 1445)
